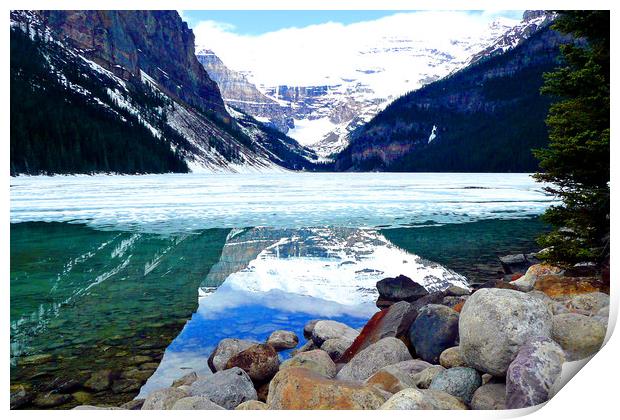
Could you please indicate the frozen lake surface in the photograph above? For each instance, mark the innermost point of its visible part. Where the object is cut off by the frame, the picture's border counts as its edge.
(174, 203)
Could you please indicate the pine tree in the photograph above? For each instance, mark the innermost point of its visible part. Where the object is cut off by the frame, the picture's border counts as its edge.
(576, 163)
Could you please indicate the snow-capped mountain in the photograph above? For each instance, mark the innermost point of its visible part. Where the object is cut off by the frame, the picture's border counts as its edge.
(330, 88)
(147, 104)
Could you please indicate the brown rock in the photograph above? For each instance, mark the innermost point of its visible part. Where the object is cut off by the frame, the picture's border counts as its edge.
(260, 362)
(391, 382)
(302, 389)
(262, 391)
(557, 286)
(451, 357)
(101, 380)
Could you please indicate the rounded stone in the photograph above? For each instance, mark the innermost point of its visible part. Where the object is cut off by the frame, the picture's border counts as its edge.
(325, 329)
(226, 349)
(315, 360)
(260, 362)
(252, 405)
(227, 388)
(422, 399)
(451, 357)
(435, 329)
(461, 382)
(489, 397)
(195, 403)
(336, 347)
(390, 380)
(384, 352)
(493, 325)
(283, 340)
(589, 302)
(309, 327)
(424, 378)
(163, 399)
(579, 336)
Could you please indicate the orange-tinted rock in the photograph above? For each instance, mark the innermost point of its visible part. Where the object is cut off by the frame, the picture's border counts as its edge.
(459, 306)
(389, 381)
(516, 276)
(260, 362)
(561, 286)
(302, 389)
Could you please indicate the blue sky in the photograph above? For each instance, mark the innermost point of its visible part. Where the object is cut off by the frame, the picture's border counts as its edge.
(256, 22)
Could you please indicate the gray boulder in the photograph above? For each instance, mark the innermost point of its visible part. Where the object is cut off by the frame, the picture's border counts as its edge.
(461, 382)
(283, 340)
(580, 336)
(410, 367)
(325, 329)
(589, 303)
(195, 403)
(422, 399)
(163, 399)
(227, 388)
(384, 352)
(533, 372)
(493, 325)
(315, 360)
(226, 349)
(489, 397)
(435, 329)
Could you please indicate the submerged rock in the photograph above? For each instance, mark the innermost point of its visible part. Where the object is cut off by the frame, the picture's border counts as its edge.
(283, 340)
(533, 372)
(227, 388)
(317, 361)
(435, 329)
(579, 336)
(384, 352)
(21, 394)
(461, 382)
(302, 389)
(493, 325)
(422, 399)
(51, 399)
(101, 380)
(259, 361)
(226, 349)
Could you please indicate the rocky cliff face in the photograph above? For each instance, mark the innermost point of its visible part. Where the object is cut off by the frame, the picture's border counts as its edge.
(484, 118)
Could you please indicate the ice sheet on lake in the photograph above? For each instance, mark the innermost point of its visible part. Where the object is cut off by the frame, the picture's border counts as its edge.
(172, 203)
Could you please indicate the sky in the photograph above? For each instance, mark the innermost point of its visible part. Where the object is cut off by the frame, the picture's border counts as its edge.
(258, 22)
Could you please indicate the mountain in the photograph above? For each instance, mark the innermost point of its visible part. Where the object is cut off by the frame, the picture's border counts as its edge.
(484, 118)
(122, 91)
(320, 83)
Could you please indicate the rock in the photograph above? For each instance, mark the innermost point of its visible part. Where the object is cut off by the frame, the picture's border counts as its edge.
(489, 397)
(391, 380)
(260, 362)
(409, 367)
(461, 382)
(195, 403)
(590, 303)
(63, 385)
(325, 329)
(493, 325)
(526, 282)
(307, 346)
(188, 379)
(282, 340)
(580, 336)
(139, 359)
(262, 391)
(455, 290)
(390, 322)
(336, 347)
(51, 399)
(422, 399)
(400, 288)
(252, 405)
(486, 378)
(227, 388)
(384, 352)
(518, 263)
(435, 329)
(121, 386)
(133, 404)
(163, 399)
(21, 394)
(496, 284)
(533, 372)
(302, 389)
(452, 301)
(101, 380)
(95, 407)
(424, 378)
(141, 375)
(309, 327)
(557, 286)
(36, 359)
(317, 361)
(226, 349)
(451, 357)
(82, 397)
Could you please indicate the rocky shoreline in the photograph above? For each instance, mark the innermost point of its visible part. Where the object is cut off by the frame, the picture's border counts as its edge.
(500, 345)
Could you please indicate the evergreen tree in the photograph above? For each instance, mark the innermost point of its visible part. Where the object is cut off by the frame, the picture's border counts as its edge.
(576, 163)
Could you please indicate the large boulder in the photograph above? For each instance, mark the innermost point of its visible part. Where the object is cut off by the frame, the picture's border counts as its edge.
(226, 349)
(536, 271)
(325, 329)
(317, 361)
(533, 372)
(400, 288)
(495, 323)
(580, 336)
(260, 362)
(461, 382)
(384, 352)
(302, 389)
(283, 340)
(227, 388)
(489, 397)
(390, 322)
(435, 329)
(195, 403)
(422, 399)
(163, 399)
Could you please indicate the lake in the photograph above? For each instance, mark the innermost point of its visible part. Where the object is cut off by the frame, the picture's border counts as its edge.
(139, 277)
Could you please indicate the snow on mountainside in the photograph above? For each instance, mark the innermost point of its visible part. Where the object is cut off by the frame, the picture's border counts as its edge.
(330, 88)
(193, 122)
